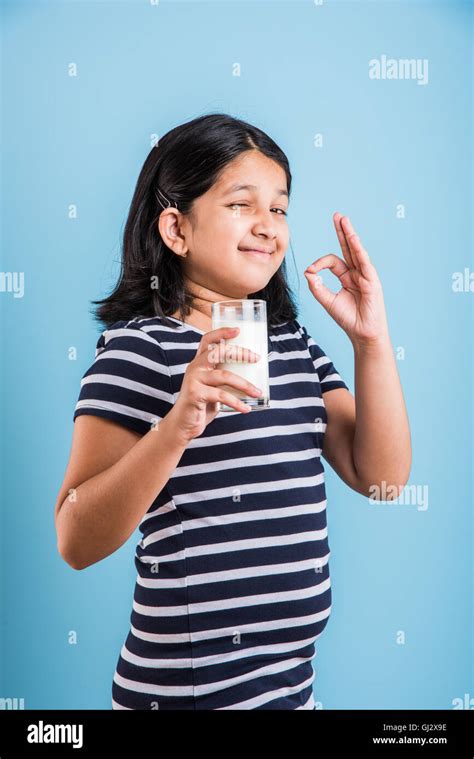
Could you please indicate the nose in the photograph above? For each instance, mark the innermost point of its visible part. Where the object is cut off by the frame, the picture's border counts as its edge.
(265, 224)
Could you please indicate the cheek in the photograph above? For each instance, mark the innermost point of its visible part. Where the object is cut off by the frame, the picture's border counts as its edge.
(225, 224)
(283, 238)
(216, 231)
(234, 221)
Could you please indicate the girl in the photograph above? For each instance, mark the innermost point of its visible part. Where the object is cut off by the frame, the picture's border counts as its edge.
(233, 585)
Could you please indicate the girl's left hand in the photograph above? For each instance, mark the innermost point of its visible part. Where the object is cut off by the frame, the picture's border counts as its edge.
(359, 306)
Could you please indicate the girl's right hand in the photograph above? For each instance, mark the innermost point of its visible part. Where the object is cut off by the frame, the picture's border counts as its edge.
(197, 403)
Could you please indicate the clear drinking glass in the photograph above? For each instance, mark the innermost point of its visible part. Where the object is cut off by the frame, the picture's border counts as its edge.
(250, 316)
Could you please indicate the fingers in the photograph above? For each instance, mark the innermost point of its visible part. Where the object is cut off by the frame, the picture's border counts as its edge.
(330, 261)
(225, 377)
(230, 400)
(214, 336)
(356, 257)
(214, 385)
(204, 392)
(224, 353)
(322, 293)
(359, 254)
(341, 236)
(349, 233)
(213, 343)
(211, 391)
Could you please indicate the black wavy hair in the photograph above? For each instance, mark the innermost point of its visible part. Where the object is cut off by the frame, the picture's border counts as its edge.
(184, 164)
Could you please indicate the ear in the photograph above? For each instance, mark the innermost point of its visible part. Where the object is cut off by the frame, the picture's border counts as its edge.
(169, 228)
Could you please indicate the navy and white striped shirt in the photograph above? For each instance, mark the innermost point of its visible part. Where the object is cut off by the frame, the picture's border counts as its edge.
(233, 585)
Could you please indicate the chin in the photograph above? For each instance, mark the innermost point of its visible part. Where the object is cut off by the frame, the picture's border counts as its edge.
(254, 285)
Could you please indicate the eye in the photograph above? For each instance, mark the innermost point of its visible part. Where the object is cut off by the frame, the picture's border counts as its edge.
(245, 205)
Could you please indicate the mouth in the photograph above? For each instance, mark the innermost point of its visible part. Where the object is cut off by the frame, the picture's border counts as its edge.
(258, 253)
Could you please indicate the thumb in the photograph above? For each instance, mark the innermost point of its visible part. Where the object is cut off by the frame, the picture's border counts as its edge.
(323, 294)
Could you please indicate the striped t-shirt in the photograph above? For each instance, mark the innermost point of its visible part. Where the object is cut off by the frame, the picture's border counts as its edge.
(232, 585)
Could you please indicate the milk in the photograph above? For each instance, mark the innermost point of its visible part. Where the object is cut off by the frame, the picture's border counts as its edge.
(253, 335)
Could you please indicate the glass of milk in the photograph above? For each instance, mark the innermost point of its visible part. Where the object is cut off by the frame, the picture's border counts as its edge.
(250, 316)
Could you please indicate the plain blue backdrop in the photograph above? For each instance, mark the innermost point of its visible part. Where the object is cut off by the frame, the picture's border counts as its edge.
(396, 156)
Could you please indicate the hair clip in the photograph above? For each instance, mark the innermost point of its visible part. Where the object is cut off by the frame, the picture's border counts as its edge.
(165, 198)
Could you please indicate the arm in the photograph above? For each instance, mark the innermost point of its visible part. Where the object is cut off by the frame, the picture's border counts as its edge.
(114, 477)
(367, 439)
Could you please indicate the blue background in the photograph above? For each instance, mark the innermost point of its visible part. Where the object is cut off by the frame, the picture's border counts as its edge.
(142, 69)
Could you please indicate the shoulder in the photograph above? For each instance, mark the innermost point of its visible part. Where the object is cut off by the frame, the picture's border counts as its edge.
(292, 326)
(285, 337)
(302, 333)
(127, 333)
(299, 330)
(129, 380)
(126, 343)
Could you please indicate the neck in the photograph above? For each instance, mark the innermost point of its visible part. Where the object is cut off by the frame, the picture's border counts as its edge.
(203, 298)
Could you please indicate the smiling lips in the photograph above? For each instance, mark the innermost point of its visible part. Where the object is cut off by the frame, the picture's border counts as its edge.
(261, 253)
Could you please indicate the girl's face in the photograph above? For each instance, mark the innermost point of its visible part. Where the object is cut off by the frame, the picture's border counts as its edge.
(225, 220)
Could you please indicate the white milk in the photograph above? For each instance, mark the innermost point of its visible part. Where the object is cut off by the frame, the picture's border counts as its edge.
(252, 334)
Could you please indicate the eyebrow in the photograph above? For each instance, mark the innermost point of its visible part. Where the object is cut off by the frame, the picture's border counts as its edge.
(237, 187)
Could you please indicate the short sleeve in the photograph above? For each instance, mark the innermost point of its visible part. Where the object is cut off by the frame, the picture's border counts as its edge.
(129, 381)
(329, 378)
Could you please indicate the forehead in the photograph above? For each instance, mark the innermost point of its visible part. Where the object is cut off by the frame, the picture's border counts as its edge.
(254, 172)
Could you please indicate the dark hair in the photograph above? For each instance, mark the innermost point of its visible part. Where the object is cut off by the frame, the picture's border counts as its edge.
(184, 164)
